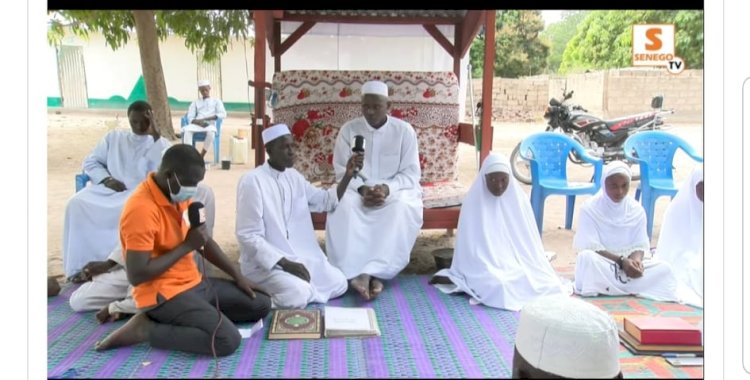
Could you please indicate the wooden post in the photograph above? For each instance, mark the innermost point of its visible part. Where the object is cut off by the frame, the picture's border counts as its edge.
(259, 18)
(457, 44)
(277, 46)
(487, 78)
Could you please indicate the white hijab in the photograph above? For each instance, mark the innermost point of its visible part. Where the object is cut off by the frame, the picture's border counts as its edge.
(604, 224)
(499, 258)
(681, 239)
(682, 226)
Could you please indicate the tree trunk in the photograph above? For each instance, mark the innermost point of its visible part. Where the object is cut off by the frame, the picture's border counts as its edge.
(153, 75)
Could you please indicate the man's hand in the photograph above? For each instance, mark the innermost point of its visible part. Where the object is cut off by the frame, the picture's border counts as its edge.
(382, 189)
(632, 268)
(356, 161)
(197, 237)
(200, 122)
(103, 315)
(152, 126)
(297, 269)
(372, 197)
(96, 268)
(246, 286)
(114, 184)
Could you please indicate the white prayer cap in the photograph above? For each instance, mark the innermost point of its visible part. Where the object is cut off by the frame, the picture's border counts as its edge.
(272, 133)
(375, 87)
(617, 167)
(568, 337)
(204, 82)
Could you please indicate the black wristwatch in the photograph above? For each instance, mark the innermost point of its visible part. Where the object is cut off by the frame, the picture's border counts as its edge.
(621, 261)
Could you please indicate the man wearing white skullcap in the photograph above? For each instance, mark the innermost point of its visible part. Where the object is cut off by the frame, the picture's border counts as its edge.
(387, 196)
(202, 114)
(560, 336)
(278, 246)
(611, 241)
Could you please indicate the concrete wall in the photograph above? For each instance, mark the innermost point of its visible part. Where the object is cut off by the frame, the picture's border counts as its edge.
(608, 94)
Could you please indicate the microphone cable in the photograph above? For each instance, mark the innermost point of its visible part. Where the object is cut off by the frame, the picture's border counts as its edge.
(218, 311)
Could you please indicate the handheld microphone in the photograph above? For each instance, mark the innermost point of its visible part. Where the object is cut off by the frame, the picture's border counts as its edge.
(197, 217)
(359, 147)
(196, 214)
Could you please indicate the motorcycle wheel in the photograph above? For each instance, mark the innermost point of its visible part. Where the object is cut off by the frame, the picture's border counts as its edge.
(520, 167)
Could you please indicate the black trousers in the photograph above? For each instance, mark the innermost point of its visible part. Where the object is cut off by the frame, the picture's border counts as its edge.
(187, 321)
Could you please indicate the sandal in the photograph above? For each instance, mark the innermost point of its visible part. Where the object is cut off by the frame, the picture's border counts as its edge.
(78, 278)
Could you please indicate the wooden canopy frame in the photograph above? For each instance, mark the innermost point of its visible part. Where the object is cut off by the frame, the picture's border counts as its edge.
(467, 24)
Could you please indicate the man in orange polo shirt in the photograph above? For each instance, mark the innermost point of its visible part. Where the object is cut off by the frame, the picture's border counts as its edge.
(177, 309)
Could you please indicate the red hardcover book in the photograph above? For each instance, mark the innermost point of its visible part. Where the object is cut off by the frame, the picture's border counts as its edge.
(663, 331)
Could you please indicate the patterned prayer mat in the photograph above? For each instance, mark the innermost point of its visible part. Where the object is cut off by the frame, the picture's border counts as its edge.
(425, 334)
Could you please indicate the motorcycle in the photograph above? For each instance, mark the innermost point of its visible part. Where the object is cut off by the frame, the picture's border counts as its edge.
(601, 138)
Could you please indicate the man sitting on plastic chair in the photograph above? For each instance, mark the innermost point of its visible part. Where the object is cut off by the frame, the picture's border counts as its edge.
(202, 116)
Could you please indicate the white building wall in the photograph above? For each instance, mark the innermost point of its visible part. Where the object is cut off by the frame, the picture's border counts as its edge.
(359, 47)
(110, 72)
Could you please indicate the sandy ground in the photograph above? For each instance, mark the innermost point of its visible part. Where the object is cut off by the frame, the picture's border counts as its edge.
(71, 135)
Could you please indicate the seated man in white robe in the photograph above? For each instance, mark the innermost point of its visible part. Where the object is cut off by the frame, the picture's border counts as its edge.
(681, 237)
(611, 241)
(107, 288)
(202, 115)
(120, 161)
(565, 337)
(278, 246)
(499, 258)
(370, 235)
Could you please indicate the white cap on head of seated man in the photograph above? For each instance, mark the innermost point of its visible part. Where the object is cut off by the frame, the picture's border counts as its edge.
(568, 337)
(272, 133)
(375, 87)
(204, 82)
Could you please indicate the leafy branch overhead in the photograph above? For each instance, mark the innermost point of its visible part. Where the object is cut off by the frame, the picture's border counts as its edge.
(208, 31)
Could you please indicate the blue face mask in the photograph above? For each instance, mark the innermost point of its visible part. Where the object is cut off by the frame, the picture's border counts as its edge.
(185, 193)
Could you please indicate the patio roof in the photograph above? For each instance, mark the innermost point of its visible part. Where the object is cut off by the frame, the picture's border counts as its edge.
(466, 27)
(413, 16)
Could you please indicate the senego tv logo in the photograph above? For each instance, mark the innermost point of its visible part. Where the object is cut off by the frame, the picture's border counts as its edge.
(653, 45)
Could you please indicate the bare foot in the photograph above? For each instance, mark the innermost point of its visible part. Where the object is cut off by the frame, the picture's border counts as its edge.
(441, 280)
(103, 315)
(376, 287)
(132, 332)
(361, 285)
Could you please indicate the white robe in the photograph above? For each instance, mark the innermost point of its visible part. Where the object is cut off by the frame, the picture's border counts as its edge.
(377, 241)
(202, 108)
(112, 289)
(619, 228)
(273, 222)
(499, 258)
(681, 238)
(92, 216)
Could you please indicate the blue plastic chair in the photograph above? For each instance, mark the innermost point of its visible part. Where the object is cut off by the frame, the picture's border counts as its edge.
(81, 180)
(201, 136)
(654, 151)
(548, 153)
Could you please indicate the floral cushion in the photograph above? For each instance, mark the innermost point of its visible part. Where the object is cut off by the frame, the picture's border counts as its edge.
(315, 104)
(443, 194)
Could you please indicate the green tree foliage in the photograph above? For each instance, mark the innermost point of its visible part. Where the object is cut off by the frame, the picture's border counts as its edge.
(207, 30)
(519, 49)
(604, 38)
(557, 36)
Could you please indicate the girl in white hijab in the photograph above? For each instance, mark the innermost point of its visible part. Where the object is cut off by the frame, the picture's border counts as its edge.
(681, 237)
(499, 259)
(611, 241)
